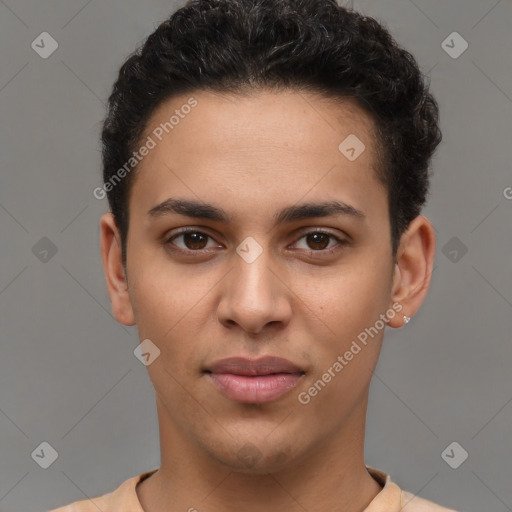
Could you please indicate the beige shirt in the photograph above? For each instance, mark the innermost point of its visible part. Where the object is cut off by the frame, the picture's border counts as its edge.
(390, 499)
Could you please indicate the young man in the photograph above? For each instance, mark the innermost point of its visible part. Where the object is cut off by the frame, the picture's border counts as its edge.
(266, 162)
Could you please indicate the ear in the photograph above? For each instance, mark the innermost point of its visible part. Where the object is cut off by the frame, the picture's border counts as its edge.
(115, 275)
(413, 268)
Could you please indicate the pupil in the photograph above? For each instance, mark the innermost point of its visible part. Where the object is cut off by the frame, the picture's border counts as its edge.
(317, 239)
(193, 239)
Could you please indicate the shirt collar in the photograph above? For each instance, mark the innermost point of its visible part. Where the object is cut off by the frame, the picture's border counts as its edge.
(389, 498)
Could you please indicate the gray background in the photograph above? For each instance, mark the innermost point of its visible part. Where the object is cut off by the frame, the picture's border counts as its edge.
(68, 375)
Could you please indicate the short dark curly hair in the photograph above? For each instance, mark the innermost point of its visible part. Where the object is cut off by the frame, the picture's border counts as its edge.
(232, 46)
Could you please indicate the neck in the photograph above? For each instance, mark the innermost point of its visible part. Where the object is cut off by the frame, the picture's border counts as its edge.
(328, 476)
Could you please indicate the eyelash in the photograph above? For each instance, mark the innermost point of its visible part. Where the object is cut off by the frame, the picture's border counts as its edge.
(311, 252)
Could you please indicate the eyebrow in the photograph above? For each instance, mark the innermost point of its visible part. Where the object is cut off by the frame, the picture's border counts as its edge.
(202, 210)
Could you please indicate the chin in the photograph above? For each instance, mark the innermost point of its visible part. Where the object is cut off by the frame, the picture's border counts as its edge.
(255, 458)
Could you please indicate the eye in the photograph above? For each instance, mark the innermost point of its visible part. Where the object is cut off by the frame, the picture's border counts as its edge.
(192, 240)
(319, 241)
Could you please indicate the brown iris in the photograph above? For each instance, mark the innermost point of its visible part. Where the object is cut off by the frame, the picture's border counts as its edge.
(319, 239)
(195, 240)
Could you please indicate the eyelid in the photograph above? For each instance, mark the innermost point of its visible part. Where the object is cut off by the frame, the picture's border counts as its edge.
(326, 231)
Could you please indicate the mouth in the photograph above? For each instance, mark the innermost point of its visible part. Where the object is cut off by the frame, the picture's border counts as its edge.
(254, 380)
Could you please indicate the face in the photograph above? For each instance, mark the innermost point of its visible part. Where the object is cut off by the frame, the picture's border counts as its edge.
(279, 248)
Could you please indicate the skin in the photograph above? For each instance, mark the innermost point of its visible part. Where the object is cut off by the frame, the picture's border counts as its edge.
(252, 156)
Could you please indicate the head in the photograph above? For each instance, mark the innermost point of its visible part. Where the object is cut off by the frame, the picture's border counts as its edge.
(244, 108)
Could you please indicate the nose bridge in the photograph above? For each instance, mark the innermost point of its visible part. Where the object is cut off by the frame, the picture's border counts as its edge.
(252, 274)
(253, 296)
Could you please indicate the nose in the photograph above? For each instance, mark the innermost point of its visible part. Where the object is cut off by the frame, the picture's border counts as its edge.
(255, 295)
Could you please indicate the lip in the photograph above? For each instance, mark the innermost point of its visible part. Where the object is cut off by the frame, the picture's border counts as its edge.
(254, 380)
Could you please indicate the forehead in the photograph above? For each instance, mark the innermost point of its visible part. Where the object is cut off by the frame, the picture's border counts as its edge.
(288, 116)
(260, 144)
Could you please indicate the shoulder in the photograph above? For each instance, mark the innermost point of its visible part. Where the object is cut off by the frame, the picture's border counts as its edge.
(99, 503)
(412, 503)
(122, 499)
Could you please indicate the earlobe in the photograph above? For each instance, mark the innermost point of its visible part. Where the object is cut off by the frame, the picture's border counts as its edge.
(115, 276)
(413, 269)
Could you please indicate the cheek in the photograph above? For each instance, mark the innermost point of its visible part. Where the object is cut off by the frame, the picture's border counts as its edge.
(156, 307)
(346, 308)
(347, 355)
(172, 308)
(350, 299)
(163, 292)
